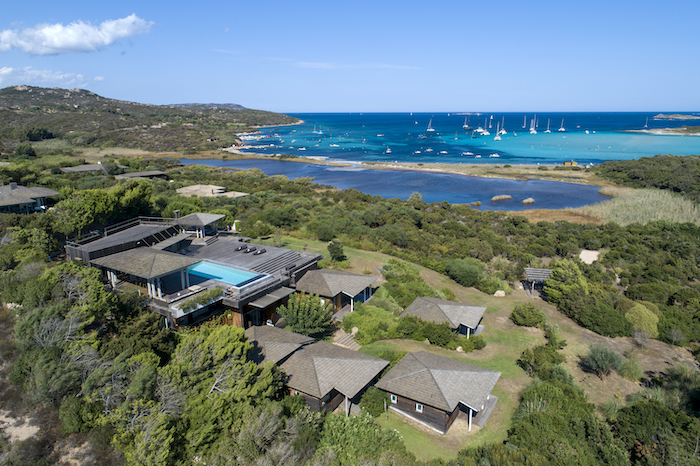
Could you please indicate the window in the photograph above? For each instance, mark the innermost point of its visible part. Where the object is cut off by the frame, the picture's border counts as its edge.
(394, 398)
(419, 407)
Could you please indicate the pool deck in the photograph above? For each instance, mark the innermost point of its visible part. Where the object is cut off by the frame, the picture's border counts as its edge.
(273, 261)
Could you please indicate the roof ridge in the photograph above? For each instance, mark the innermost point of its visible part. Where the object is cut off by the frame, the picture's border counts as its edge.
(442, 393)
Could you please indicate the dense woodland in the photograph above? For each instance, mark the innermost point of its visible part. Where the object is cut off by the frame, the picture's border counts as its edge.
(103, 368)
(674, 173)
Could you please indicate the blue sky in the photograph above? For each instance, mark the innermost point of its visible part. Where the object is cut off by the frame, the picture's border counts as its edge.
(363, 56)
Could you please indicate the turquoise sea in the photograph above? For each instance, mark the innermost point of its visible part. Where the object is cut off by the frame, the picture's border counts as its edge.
(405, 137)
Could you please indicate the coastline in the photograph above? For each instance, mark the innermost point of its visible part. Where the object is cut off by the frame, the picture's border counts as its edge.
(512, 172)
(682, 131)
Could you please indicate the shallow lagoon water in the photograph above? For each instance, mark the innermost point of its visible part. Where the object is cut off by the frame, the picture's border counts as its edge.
(434, 187)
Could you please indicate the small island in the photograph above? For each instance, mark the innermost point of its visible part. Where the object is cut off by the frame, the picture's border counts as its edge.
(676, 116)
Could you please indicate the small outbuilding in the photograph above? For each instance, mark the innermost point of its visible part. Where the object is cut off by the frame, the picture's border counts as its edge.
(21, 199)
(326, 375)
(464, 318)
(436, 390)
(342, 288)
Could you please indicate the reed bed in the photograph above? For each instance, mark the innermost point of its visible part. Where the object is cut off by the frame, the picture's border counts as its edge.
(642, 206)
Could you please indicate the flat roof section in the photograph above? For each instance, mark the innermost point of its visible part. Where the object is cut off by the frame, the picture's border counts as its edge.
(135, 233)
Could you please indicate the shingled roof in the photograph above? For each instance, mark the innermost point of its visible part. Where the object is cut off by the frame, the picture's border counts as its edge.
(145, 262)
(199, 219)
(14, 194)
(439, 382)
(441, 310)
(274, 344)
(320, 367)
(330, 283)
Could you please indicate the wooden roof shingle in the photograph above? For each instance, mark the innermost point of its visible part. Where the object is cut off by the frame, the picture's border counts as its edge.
(199, 219)
(145, 262)
(274, 344)
(439, 382)
(330, 283)
(14, 194)
(320, 367)
(441, 310)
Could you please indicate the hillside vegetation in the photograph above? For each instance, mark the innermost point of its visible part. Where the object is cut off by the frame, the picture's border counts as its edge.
(79, 118)
(680, 174)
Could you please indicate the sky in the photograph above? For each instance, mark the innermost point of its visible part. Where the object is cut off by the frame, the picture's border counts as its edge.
(363, 56)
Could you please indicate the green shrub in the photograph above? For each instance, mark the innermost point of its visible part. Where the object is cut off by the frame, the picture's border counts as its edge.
(631, 370)
(490, 285)
(602, 361)
(374, 400)
(527, 315)
(201, 299)
(465, 272)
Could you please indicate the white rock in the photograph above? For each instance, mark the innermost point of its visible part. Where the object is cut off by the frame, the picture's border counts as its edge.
(499, 294)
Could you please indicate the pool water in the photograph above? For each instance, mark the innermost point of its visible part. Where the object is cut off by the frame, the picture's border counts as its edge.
(230, 275)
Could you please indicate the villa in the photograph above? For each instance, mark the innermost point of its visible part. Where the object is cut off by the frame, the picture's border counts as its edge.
(21, 199)
(435, 390)
(464, 318)
(325, 375)
(176, 261)
(341, 288)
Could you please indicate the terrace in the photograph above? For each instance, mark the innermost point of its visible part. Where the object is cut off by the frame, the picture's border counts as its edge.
(174, 261)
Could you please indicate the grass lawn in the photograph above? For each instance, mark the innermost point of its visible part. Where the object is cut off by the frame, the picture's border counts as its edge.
(425, 445)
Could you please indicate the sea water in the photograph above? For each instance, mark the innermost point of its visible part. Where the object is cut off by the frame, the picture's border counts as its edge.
(588, 138)
(432, 186)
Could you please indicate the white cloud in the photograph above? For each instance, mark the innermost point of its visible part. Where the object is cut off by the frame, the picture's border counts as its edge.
(99, 78)
(28, 75)
(52, 39)
(359, 66)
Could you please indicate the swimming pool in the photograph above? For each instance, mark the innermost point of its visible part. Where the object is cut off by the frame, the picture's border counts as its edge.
(223, 273)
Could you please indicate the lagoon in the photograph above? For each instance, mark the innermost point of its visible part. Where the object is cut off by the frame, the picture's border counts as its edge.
(433, 187)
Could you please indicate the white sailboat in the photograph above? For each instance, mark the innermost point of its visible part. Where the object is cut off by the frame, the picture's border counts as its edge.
(498, 132)
(524, 121)
(503, 126)
(548, 130)
(533, 124)
(646, 125)
(430, 128)
(485, 131)
(561, 128)
(466, 126)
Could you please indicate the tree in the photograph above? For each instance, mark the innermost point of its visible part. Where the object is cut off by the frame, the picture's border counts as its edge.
(527, 315)
(644, 320)
(24, 149)
(335, 249)
(566, 277)
(307, 314)
(602, 361)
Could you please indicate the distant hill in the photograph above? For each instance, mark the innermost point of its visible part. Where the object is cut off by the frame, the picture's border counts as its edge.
(83, 118)
(229, 106)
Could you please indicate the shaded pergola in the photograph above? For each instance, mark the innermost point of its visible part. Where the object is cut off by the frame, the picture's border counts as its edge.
(536, 276)
(150, 265)
(200, 222)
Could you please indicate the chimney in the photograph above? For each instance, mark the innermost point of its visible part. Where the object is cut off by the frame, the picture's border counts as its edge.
(176, 213)
(13, 185)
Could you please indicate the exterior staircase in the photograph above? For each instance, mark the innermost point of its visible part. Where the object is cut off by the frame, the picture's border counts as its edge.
(346, 340)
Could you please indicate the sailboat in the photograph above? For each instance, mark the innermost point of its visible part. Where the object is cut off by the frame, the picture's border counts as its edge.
(485, 132)
(533, 124)
(524, 121)
(466, 126)
(561, 128)
(456, 136)
(646, 125)
(430, 128)
(548, 130)
(503, 126)
(498, 132)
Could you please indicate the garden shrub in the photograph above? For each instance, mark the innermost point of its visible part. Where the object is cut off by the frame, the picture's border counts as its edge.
(374, 400)
(527, 315)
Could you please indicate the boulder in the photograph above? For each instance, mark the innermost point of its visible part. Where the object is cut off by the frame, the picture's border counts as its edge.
(500, 294)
